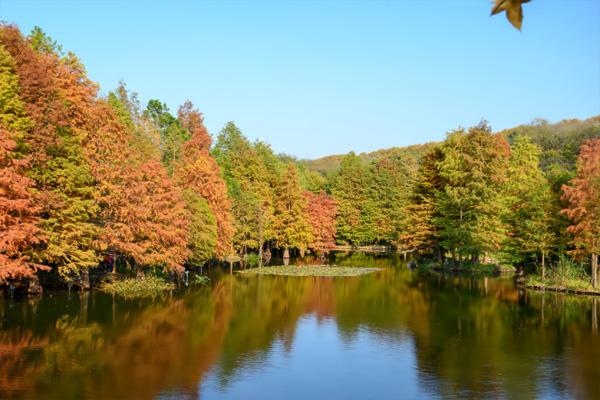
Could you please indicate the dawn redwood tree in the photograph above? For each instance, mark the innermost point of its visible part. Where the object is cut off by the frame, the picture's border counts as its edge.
(530, 204)
(199, 172)
(245, 174)
(203, 230)
(58, 97)
(18, 214)
(391, 187)
(470, 204)
(352, 191)
(289, 219)
(147, 219)
(144, 215)
(172, 133)
(419, 233)
(583, 197)
(321, 212)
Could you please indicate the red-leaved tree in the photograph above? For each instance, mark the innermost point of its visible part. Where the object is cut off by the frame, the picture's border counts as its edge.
(321, 210)
(198, 171)
(18, 230)
(583, 196)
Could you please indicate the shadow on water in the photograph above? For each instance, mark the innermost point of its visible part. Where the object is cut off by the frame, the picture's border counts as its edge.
(393, 333)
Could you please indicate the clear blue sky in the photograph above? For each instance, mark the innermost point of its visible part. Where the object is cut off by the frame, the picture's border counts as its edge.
(315, 78)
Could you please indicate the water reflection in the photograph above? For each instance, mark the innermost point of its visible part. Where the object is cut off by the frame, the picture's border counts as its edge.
(394, 333)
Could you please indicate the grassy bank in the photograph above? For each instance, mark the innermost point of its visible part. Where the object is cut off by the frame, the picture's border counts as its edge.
(468, 267)
(310, 270)
(149, 286)
(551, 284)
(566, 276)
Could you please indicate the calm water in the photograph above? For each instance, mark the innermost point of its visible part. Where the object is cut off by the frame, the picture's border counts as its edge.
(392, 334)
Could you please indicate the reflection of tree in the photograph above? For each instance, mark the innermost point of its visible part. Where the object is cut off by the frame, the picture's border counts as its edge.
(472, 336)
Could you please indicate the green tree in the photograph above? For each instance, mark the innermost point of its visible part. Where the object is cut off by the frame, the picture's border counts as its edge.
(531, 206)
(352, 191)
(470, 206)
(248, 184)
(290, 223)
(172, 134)
(419, 233)
(202, 239)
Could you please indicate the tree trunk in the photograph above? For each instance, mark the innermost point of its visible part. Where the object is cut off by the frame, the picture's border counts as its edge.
(543, 265)
(595, 270)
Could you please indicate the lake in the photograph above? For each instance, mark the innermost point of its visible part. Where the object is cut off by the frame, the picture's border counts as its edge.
(395, 333)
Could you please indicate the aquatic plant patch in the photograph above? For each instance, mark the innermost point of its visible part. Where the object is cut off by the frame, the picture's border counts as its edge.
(311, 270)
(149, 286)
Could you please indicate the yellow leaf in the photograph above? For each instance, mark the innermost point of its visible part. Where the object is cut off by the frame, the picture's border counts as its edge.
(513, 9)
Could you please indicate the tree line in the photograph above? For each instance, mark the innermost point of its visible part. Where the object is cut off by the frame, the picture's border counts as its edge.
(84, 177)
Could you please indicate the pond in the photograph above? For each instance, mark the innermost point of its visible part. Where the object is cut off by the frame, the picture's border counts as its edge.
(395, 333)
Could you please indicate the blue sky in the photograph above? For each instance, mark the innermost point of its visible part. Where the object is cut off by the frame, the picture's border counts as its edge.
(322, 77)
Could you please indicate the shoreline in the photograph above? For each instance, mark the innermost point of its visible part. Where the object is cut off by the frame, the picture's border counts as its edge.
(562, 289)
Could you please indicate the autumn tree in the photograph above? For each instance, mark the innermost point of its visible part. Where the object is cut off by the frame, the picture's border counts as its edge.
(57, 96)
(530, 206)
(356, 209)
(199, 172)
(144, 215)
(391, 188)
(321, 212)
(203, 229)
(583, 197)
(172, 134)
(244, 171)
(289, 219)
(419, 233)
(18, 214)
(470, 206)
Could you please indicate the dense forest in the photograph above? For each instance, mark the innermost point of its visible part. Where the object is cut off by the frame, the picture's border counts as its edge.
(87, 180)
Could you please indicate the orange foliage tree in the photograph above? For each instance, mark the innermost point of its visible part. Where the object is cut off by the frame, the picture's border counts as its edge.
(321, 210)
(198, 171)
(18, 230)
(57, 97)
(143, 213)
(583, 197)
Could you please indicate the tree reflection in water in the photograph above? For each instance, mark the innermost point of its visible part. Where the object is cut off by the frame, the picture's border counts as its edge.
(470, 337)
